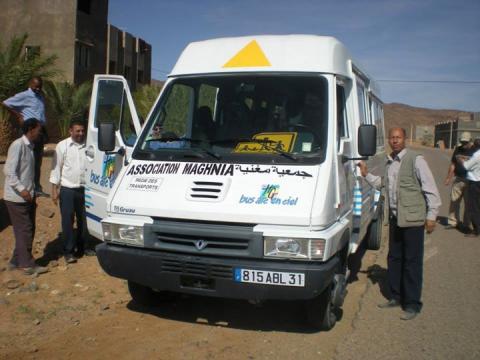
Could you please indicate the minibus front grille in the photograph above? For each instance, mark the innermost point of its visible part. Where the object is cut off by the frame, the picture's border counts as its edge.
(207, 190)
(197, 269)
(213, 239)
(201, 243)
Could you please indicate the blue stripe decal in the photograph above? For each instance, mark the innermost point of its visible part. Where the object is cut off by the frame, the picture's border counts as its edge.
(89, 203)
(94, 217)
(88, 196)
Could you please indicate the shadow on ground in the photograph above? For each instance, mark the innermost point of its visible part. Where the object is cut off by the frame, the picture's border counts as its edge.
(378, 276)
(285, 316)
(4, 218)
(355, 262)
(54, 249)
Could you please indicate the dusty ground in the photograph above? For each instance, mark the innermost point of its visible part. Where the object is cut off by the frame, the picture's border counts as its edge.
(77, 311)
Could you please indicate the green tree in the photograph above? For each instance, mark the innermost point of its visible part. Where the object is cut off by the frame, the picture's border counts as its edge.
(67, 102)
(144, 98)
(15, 71)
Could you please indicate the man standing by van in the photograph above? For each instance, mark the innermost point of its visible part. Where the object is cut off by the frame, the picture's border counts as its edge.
(413, 202)
(458, 174)
(68, 184)
(20, 197)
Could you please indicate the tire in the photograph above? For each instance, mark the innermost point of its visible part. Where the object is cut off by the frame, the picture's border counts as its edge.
(374, 233)
(321, 311)
(142, 295)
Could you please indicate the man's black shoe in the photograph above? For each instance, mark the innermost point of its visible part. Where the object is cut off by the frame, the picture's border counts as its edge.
(35, 270)
(11, 266)
(70, 259)
(39, 192)
(90, 252)
(450, 227)
(409, 314)
(389, 304)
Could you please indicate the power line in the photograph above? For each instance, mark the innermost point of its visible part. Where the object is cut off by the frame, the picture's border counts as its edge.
(431, 81)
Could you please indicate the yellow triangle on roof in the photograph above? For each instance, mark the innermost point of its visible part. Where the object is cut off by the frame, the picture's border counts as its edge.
(250, 56)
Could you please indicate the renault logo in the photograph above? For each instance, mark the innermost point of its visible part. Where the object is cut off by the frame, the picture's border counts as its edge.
(200, 244)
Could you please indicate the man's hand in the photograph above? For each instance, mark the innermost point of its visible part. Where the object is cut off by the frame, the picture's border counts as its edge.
(430, 226)
(55, 199)
(448, 181)
(26, 196)
(54, 194)
(363, 168)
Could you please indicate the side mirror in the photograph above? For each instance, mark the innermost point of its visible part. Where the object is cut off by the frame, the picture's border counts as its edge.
(367, 140)
(106, 136)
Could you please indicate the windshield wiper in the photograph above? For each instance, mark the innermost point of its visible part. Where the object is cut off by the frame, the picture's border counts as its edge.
(206, 151)
(194, 150)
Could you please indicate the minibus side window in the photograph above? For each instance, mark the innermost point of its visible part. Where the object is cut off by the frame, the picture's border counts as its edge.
(377, 114)
(361, 103)
(112, 107)
(342, 130)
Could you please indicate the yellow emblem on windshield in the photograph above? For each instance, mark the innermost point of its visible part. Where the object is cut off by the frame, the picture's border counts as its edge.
(250, 56)
(267, 143)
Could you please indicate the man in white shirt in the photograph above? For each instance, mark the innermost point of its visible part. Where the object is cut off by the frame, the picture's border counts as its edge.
(68, 182)
(472, 202)
(19, 196)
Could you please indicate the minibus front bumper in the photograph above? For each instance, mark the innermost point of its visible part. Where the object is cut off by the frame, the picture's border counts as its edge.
(212, 276)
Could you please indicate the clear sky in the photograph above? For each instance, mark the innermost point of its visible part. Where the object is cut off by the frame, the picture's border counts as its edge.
(408, 40)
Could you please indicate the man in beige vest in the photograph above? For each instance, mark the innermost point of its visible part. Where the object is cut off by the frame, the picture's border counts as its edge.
(413, 201)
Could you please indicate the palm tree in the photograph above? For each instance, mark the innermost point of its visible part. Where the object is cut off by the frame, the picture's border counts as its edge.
(144, 98)
(15, 71)
(67, 102)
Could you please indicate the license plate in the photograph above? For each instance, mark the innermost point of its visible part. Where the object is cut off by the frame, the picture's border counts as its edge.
(269, 277)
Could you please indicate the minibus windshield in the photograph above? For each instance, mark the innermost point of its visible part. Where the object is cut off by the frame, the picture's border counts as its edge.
(275, 118)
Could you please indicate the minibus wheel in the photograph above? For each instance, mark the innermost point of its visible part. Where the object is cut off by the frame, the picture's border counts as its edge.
(142, 295)
(374, 234)
(321, 311)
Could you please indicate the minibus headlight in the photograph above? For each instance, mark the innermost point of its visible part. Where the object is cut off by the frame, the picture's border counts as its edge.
(294, 248)
(125, 234)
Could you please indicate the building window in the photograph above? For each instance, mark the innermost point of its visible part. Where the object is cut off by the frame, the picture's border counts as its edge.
(31, 52)
(84, 6)
(140, 76)
(83, 56)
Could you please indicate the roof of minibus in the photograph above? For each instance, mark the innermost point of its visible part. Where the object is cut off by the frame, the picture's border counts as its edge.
(265, 53)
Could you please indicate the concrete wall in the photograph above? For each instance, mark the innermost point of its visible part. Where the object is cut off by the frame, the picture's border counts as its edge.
(50, 24)
(450, 132)
(78, 33)
(128, 55)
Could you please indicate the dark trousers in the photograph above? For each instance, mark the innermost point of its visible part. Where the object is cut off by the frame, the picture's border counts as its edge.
(22, 216)
(405, 264)
(473, 205)
(72, 205)
(38, 154)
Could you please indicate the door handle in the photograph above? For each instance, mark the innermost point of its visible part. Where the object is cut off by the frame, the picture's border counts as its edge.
(90, 152)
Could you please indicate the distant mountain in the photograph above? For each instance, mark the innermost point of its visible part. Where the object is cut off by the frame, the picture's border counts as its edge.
(404, 115)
